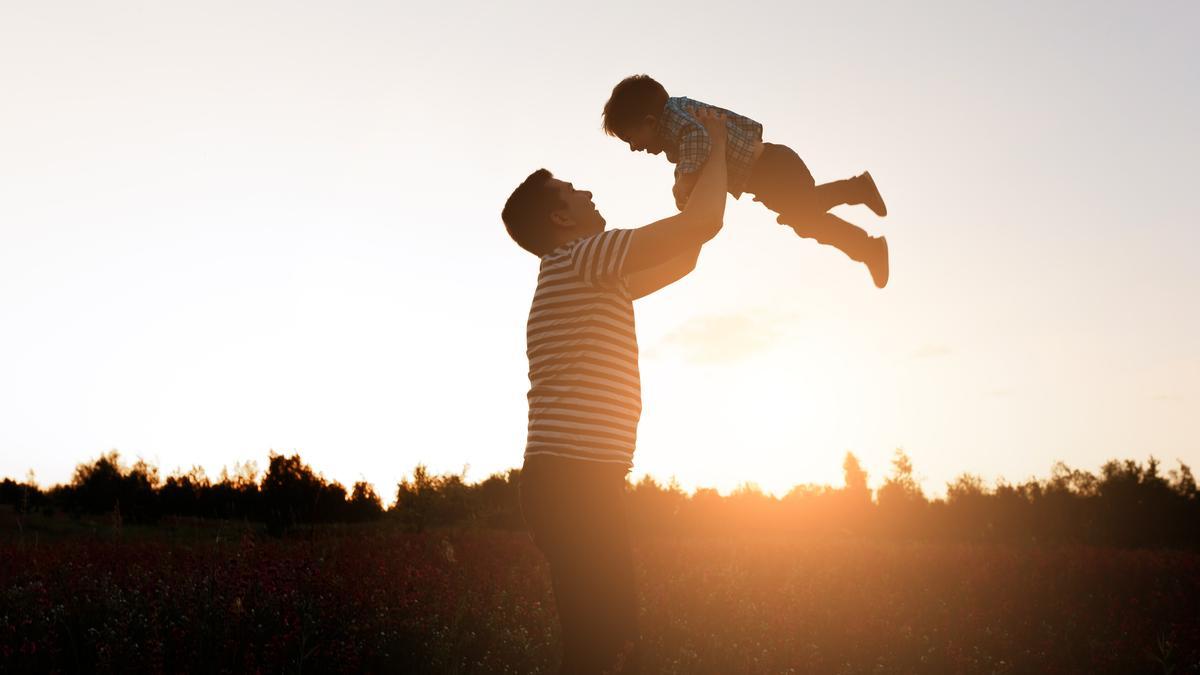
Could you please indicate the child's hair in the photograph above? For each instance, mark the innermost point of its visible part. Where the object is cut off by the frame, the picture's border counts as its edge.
(632, 99)
(526, 214)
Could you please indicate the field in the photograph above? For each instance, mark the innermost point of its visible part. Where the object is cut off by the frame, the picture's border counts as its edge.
(224, 598)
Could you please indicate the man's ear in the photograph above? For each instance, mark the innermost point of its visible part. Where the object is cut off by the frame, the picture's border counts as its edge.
(561, 218)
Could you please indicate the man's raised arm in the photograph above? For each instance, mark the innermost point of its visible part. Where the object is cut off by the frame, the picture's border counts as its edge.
(660, 242)
(648, 281)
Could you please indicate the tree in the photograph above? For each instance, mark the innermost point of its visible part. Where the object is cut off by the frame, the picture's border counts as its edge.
(901, 486)
(968, 504)
(292, 494)
(902, 504)
(107, 486)
(180, 494)
(967, 487)
(364, 504)
(656, 506)
(499, 500)
(855, 477)
(428, 501)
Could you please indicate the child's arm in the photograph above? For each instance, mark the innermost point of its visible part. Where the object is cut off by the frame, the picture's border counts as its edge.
(694, 147)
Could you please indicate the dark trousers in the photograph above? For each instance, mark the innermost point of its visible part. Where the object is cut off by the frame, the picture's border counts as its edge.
(782, 182)
(575, 511)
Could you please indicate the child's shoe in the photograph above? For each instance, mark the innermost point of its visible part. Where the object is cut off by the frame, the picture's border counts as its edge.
(876, 260)
(851, 240)
(870, 195)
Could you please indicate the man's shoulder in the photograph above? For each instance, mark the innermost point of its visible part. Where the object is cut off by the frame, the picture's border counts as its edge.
(595, 259)
(599, 242)
(567, 248)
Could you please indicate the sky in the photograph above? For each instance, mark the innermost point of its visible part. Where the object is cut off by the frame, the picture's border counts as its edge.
(235, 228)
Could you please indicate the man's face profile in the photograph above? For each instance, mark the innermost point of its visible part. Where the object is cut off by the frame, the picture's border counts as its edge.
(580, 212)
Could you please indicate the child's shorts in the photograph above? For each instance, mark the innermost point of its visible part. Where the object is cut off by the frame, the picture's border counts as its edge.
(780, 179)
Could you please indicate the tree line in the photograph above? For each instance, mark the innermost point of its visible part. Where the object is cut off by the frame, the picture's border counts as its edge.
(1128, 503)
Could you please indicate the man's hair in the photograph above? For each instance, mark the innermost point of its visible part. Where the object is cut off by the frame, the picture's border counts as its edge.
(526, 214)
(632, 99)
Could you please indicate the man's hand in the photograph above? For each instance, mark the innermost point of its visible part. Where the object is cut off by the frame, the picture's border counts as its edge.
(715, 124)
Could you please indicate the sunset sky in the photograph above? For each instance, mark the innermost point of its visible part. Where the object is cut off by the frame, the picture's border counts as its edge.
(234, 227)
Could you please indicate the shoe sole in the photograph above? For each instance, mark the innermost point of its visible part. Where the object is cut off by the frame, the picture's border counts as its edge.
(881, 279)
(872, 204)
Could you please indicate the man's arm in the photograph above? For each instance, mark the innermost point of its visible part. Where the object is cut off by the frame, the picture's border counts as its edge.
(684, 183)
(659, 242)
(648, 281)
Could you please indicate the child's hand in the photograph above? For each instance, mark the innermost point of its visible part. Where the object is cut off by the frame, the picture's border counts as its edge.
(714, 124)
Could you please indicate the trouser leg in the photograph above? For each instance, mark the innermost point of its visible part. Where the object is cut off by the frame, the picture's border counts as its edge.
(594, 591)
(828, 195)
(579, 523)
(783, 183)
(830, 230)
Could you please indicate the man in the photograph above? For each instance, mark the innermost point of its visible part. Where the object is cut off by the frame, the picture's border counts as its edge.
(585, 393)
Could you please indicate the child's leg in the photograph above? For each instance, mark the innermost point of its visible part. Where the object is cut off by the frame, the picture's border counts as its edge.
(782, 181)
(852, 240)
(858, 190)
(830, 230)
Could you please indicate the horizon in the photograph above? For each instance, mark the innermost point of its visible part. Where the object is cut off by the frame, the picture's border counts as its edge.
(242, 228)
(874, 481)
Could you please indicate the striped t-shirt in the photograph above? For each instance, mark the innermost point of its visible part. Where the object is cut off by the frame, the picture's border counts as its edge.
(585, 395)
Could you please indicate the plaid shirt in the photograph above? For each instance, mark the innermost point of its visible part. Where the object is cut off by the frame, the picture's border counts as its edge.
(687, 144)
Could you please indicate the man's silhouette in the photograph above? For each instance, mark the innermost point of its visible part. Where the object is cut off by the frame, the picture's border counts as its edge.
(585, 392)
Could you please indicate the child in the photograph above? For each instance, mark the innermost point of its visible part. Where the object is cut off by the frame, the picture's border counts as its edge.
(641, 114)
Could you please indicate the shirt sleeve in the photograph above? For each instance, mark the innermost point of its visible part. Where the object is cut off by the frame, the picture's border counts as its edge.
(599, 260)
(694, 144)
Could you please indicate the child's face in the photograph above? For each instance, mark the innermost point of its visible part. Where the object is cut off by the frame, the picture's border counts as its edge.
(641, 137)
